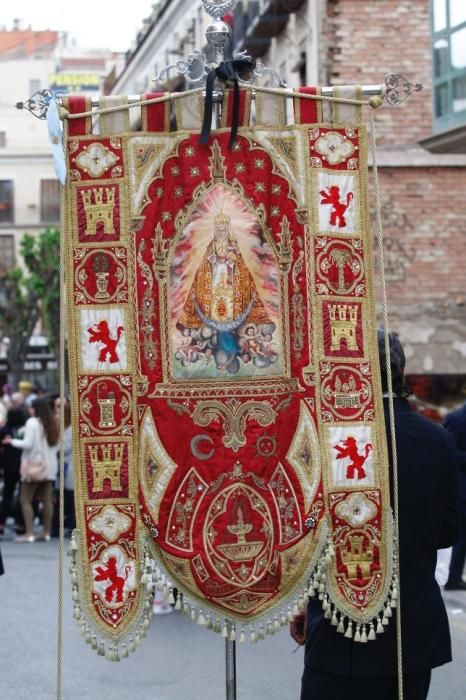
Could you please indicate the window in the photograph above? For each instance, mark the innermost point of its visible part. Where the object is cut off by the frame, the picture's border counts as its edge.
(49, 201)
(449, 63)
(6, 201)
(7, 251)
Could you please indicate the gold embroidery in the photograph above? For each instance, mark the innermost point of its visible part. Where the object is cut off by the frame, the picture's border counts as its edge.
(235, 415)
(107, 467)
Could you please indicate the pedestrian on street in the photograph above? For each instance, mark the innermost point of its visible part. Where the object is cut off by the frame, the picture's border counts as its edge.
(10, 460)
(455, 423)
(68, 490)
(40, 443)
(336, 667)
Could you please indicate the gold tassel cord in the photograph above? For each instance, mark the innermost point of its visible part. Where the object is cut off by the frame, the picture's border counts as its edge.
(379, 234)
(374, 102)
(61, 505)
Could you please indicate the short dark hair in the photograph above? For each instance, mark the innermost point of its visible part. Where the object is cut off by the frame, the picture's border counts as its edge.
(397, 364)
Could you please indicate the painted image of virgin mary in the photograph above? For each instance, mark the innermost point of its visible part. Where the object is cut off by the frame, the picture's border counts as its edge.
(223, 299)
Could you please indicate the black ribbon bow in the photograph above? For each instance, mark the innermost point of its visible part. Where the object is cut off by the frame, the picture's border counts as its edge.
(227, 70)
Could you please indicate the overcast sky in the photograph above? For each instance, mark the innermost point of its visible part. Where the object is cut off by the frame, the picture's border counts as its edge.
(96, 23)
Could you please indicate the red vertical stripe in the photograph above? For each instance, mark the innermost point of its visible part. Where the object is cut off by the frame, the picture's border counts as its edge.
(308, 111)
(75, 104)
(156, 115)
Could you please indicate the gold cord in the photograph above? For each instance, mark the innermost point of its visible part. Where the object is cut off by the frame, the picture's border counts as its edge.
(379, 234)
(373, 103)
(61, 546)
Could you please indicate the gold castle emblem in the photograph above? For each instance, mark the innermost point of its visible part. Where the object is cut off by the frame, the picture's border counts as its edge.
(356, 557)
(343, 320)
(98, 211)
(242, 550)
(106, 467)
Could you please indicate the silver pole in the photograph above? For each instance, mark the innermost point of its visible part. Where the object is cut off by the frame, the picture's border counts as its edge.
(366, 90)
(230, 669)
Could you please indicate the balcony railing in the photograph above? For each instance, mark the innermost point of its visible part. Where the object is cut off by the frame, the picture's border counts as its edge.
(253, 30)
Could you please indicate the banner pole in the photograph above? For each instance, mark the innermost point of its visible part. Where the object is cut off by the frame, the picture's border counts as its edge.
(230, 669)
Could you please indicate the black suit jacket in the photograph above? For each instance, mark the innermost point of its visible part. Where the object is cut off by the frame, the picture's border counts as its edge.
(455, 423)
(428, 521)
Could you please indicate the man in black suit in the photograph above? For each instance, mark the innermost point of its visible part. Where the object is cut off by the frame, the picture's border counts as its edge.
(337, 668)
(455, 423)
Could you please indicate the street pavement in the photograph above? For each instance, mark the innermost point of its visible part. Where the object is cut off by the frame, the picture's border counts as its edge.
(178, 660)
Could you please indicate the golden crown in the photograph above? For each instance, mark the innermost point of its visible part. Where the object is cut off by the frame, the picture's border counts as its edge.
(222, 219)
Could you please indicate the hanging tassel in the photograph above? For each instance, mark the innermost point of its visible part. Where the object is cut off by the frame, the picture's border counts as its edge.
(380, 629)
(178, 605)
(218, 626)
(349, 631)
(372, 636)
(233, 633)
(242, 636)
(388, 611)
(311, 591)
(289, 615)
(253, 636)
(116, 654)
(261, 633)
(357, 635)
(186, 608)
(101, 649)
(109, 653)
(124, 651)
(131, 645)
(171, 597)
(201, 619)
(137, 639)
(334, 621)
(276, 625)
(225, 630)
(364, 635)
(269, 629)
(193, 614)
(209, 625)
(87, 638)
(341, 626)
(94, 644)
(283, 619)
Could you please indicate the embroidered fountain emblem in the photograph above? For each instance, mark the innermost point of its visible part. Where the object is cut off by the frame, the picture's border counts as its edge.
(242, 550)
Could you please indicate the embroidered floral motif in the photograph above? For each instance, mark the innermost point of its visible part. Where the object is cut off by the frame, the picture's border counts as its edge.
(96, 159)
(110, 523)
(357, 509)
(334, 147)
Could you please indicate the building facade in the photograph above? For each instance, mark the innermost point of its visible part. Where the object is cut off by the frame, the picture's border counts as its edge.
(421, 143)
(29, 190)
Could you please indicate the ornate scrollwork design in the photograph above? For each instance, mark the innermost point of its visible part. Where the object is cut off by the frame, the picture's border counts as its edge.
(398, 88)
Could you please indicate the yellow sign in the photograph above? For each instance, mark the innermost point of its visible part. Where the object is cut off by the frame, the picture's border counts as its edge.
(74, 82)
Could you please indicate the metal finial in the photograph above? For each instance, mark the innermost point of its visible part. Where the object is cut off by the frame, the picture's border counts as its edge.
(37, 104)
(398, 88)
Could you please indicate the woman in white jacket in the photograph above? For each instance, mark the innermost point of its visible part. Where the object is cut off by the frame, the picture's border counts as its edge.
(41, 436)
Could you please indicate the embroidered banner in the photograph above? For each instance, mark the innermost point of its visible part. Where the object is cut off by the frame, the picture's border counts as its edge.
(224, 374)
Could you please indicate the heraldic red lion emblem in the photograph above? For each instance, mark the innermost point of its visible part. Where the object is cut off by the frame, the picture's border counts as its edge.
(337, 214)
(110, 573)
(348, 448)
(100, 333)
